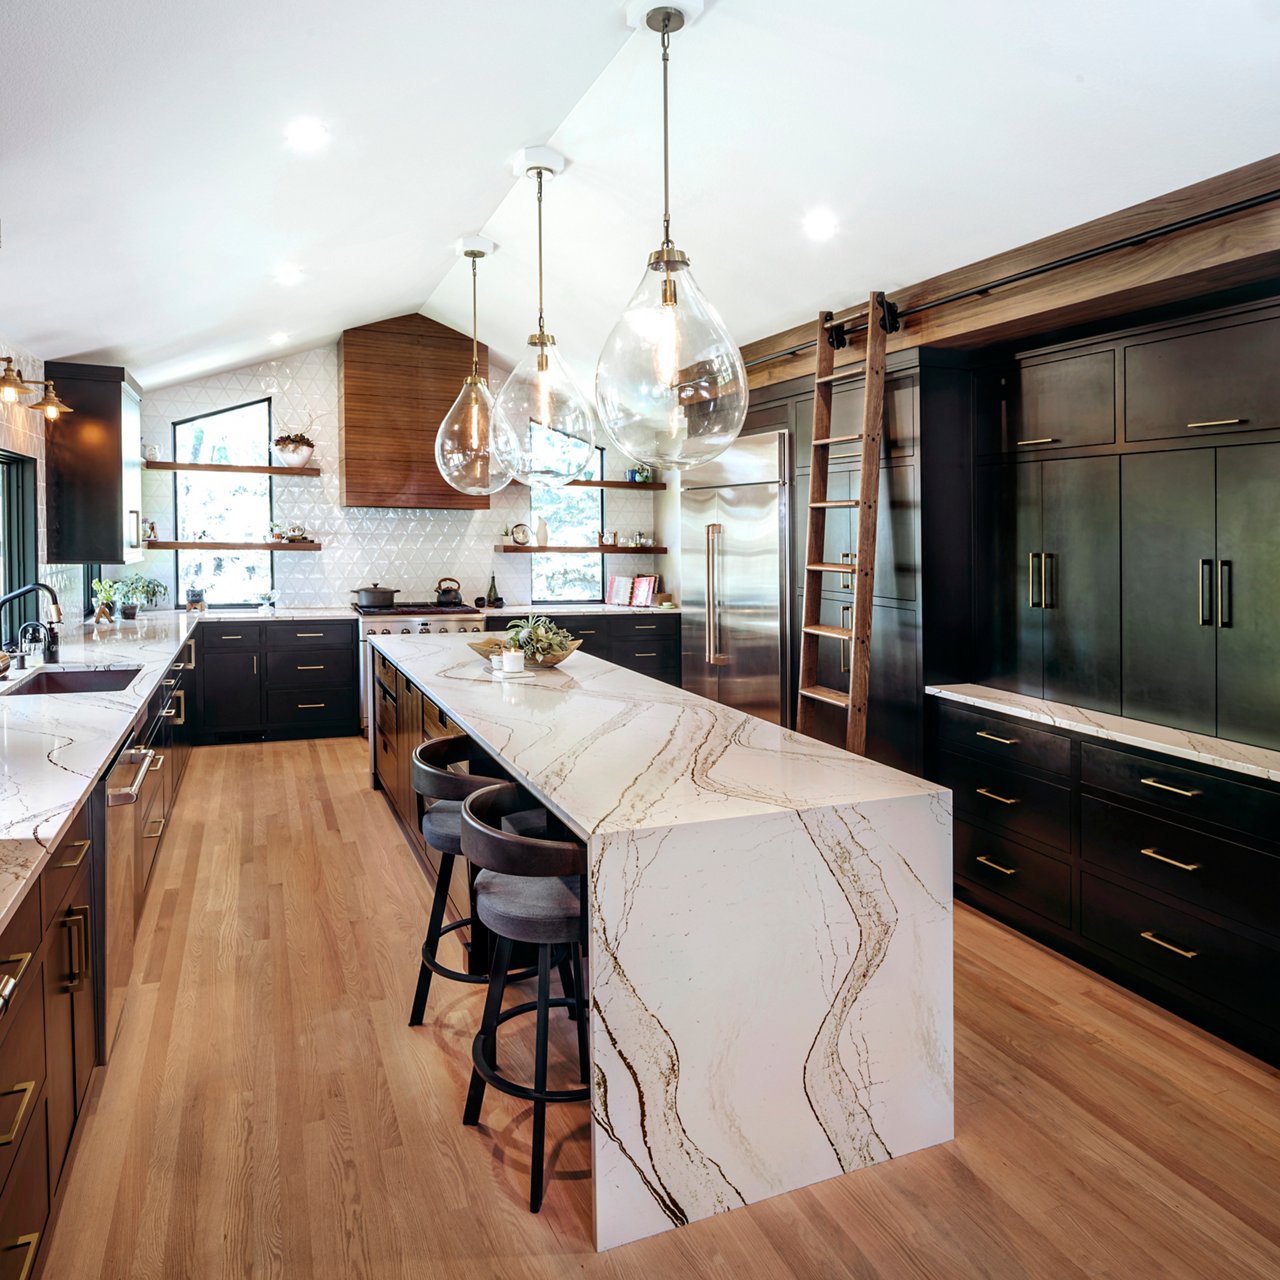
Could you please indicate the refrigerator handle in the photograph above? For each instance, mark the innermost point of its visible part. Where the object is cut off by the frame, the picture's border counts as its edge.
(712, 637)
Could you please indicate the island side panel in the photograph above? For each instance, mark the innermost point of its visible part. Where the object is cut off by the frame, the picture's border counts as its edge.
(771, 1005)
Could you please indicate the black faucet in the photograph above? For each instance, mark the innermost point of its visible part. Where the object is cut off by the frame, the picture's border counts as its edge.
(55, 614)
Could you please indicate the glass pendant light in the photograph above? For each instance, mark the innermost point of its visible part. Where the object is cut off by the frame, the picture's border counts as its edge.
(466, 451)
(551, 436)
(670, 384)
(49, 404)
(11, 383)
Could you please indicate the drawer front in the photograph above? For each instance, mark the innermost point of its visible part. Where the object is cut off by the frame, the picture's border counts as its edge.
(1065, 403)
(301, 707)
(384, 669)
(22, 1067)
(1213, 874)
(231, 635)
(61, 869)
(19, 948)
(657, 658)
(310, 635)
(24, 1207)
(591, 629)
(1003, 740)
(1235, 971)
(1013, 802)
(1022, 875)
(640, 626)
(304, 670)
(1182, 791)
(434, 722)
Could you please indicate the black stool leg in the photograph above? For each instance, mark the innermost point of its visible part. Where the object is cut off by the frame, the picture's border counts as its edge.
(432, 941)
(580, 1009)
(489, 1027)
(540, 1079)
(567, 978)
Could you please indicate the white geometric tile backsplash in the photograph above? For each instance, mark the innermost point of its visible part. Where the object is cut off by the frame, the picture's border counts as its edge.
(407, 549)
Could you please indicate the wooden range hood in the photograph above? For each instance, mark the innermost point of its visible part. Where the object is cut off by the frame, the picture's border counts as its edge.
(396, 381)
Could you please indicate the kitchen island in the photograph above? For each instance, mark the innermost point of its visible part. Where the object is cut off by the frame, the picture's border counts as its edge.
(770, 933)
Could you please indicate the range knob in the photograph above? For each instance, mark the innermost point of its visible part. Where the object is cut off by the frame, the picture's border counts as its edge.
(475, 628)
(386, 631)
(443, 629)
(424, 628)
(404, 631)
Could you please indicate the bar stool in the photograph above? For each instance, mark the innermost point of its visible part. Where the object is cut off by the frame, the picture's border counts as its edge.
(529, 890)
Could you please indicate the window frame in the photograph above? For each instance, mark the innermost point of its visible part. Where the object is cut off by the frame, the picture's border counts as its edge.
(21, 535)
(604, 580)
(271, 490)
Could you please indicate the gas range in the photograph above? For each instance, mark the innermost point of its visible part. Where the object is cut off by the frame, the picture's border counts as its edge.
(412, 608)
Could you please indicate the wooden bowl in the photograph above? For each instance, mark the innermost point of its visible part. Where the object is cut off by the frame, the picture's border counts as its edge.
(487, 648)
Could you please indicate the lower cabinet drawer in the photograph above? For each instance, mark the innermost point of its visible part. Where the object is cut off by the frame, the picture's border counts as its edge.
(1230, 969)
(24, 1206)
(1025, 876)
(293, 669)
(22, 1070)
(640, 626)
(309, 706)
(1210, 873)
(1019, 743)
(1014, 802)
(657, 658)
(230, 635)
(309, 635)
(62, 866)
(19, 946)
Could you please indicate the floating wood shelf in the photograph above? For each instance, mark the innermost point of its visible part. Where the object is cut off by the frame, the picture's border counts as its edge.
(223, 468)
(616, 484)
(510, 549)
(155, 545)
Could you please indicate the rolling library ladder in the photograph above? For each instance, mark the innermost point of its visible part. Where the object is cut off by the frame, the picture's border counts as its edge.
(881, 321)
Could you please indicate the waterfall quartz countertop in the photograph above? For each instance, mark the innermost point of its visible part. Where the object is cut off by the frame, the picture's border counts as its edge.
(770, 933)
(551, 610)
(55, 747)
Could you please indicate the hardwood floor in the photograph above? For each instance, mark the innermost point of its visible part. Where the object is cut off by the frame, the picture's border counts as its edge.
(268, 1112)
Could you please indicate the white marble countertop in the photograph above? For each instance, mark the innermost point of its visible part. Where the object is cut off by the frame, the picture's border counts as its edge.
(612, 750)
(1259, 762)
(550, 610)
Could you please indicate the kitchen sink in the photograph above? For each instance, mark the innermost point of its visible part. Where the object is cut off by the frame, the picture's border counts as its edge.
(76, 680)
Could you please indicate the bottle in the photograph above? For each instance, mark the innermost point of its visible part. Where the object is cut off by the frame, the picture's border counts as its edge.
(491, 596)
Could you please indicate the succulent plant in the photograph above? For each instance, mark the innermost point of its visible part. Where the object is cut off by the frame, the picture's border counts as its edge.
(538, 636)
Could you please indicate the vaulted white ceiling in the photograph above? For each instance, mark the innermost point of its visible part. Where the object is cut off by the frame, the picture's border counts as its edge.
(147, 196)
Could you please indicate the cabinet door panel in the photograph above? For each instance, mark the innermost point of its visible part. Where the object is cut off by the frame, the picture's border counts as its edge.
(897, 555)
(232, 690)
(1167, 531)
(1066, 402)
(1081, 545)
(1249, 610)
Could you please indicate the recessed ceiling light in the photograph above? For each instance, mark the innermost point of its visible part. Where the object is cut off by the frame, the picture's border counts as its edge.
(306, 135)
(278, 339)
(820, 224)
(289, 274)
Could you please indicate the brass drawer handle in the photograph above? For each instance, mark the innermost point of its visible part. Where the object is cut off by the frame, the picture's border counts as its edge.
(26, 1088)
(9, 983)
(158, 832)
(1173, 862)
(318, 666)
(191, 655)
(1164, 786)
(1168, 946)
(309, 706)
(82, 970)
(168, 684)
(30, 1243)
(83, 846)
(586, 633)
(169, 711)
(986, 862)
(647, 626)
(178, 666)
(233, 637)
(1040, 440)
(991, 795)
(308, 635)
(991, 737)
(156, 765)
(1220, 422)
(646, 655)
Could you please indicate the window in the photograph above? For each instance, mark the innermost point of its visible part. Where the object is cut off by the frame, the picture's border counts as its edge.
(224, 508)
(574, 519)
(17, 537)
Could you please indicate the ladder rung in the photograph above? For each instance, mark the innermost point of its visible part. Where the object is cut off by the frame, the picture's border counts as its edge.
(833, 633)
(837, 440)
(843, 502)
(820, 693)
(842, 375)
(828, 567)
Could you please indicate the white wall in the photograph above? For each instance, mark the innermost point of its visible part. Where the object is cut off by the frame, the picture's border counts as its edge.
(407, 549)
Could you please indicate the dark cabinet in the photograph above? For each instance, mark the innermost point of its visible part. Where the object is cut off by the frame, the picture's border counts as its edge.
(648, 643)
(232, 689)
(1065, 401)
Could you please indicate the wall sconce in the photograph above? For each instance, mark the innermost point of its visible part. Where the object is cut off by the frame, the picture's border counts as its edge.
(48, 404)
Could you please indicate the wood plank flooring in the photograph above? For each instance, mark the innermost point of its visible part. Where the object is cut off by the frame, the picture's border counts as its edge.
(268, 1113)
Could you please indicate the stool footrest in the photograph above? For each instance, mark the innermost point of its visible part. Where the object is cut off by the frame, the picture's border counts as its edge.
(527, 1093)
(456, 975)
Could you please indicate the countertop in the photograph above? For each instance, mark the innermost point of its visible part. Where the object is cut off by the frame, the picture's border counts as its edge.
(57, 746)
(1259, 762)
(612, 750)
(551, 610)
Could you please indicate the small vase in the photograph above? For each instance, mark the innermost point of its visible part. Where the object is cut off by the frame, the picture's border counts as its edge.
(540, 532)
(293, 455)
(128, 612)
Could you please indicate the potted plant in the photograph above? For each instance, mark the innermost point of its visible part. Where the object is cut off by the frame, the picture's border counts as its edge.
(138, 590)
(294, 450)
(544, 644)
(104, 599)
(277, 531)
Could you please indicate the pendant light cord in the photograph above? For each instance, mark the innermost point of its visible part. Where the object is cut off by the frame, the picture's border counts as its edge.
(666, 142)
(541, 328)
(475, 350)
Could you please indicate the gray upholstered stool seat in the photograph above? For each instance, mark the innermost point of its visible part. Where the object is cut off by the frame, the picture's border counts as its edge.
(441, 826)
(526, 909)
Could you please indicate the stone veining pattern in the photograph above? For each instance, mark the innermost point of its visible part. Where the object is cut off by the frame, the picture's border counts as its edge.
(770, 934)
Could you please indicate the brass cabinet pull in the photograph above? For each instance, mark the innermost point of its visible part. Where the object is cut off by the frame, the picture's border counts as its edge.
(1168, 946)
(156, 765)
(168, 683)
(991, 795)
(646, 655)
(158, 832)
(846, 579)
(1220, 422)
(233, 637)
(169, 711)
(1173, 862)
(317, 666)
(1040, 440)
(1206, 569)
(1032, 602)
(308, 635)
(648, 626)
(178, 666)
(1224, 593)
(181, 695)
(137, 528)
(29, 1243)
(1164, 786)
(581, 632)
(255, 664)
(991, 737)
(995, 866)
(83, 846)
(81, 963)
(1045, 580)
(191, 655)
(310, 706)
(9, 983)
(846, 624)
(26, 1088)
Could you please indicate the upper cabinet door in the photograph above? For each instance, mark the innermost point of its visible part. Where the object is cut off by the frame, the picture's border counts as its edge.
(1247, 587)
(1063, 402)
(131, 473)
(1080, 545)
(1207, 383)
(1167, 557)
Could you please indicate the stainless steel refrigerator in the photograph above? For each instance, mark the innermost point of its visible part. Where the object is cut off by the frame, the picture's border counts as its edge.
(734, 573)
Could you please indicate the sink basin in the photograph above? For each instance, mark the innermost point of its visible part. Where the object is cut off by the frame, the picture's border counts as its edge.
(84, 681)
